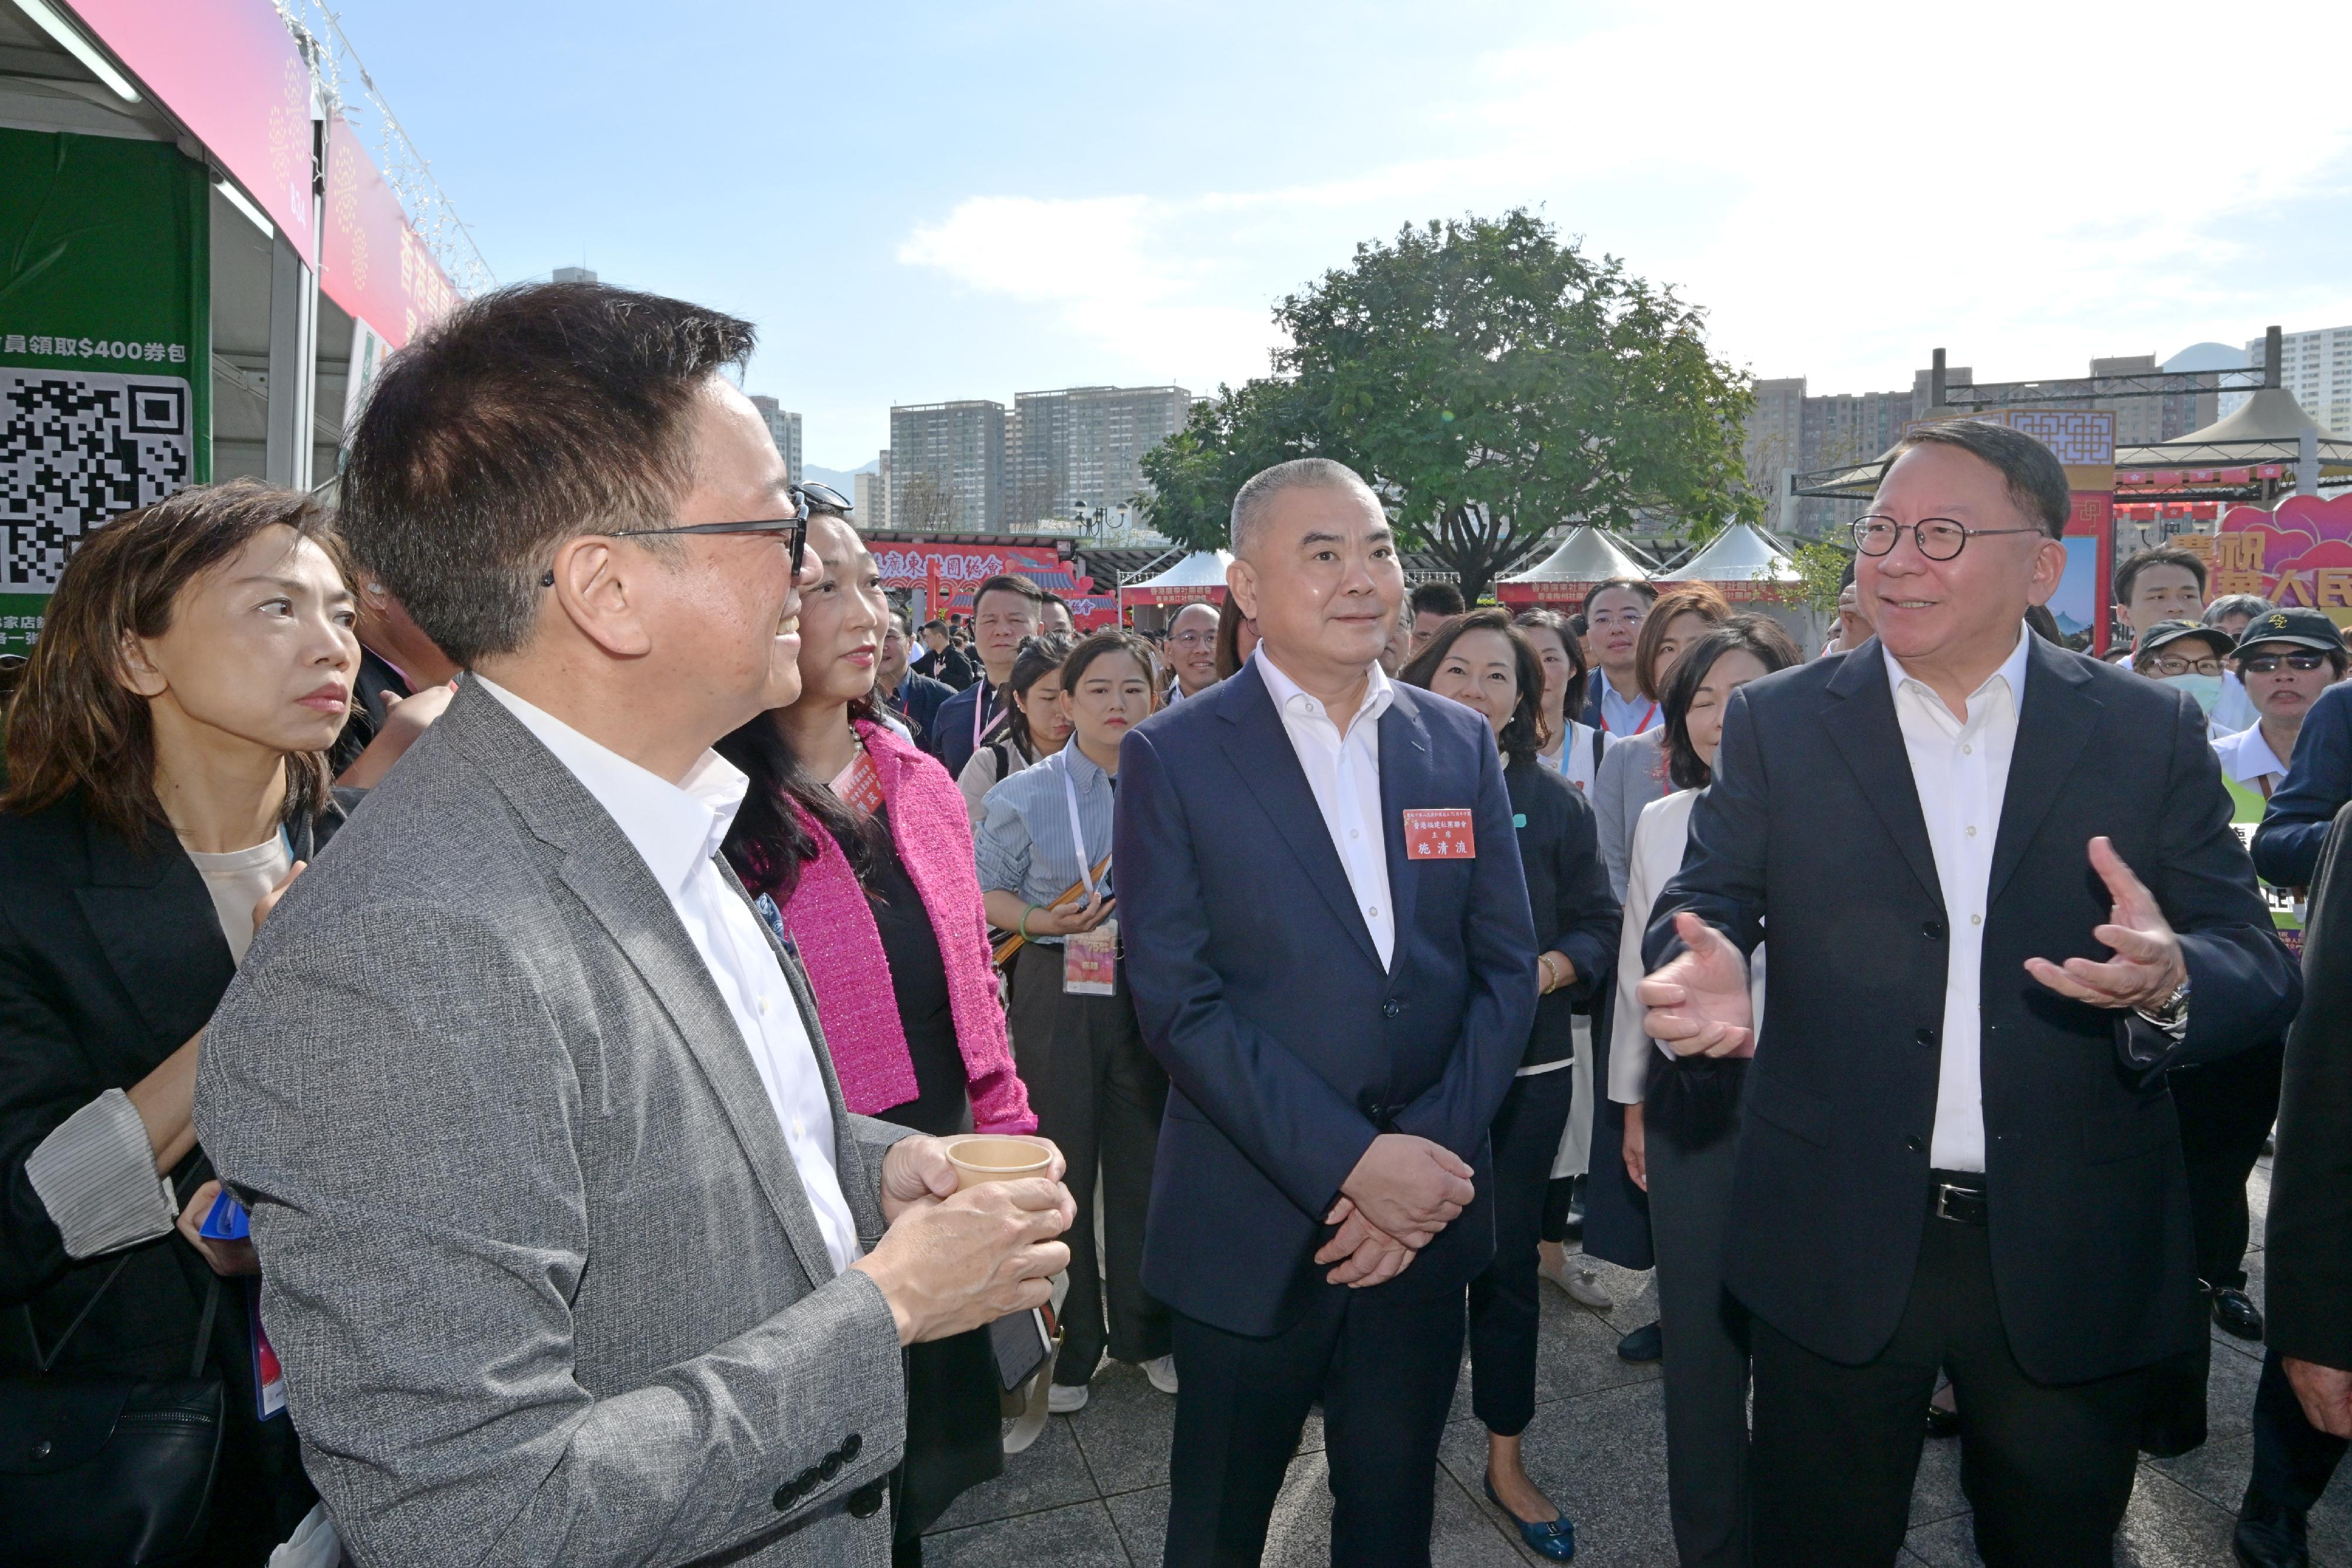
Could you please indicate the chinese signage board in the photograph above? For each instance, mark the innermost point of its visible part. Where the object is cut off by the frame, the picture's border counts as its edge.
(942, 577)
(105, 340)
(2297, 552)
(373, 265)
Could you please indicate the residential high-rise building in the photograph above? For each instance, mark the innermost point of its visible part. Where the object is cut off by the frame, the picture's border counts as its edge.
(784, 429)
(1084, 446)
(873, 497)
(2316, 367)
(947, 467)
(1788, 429)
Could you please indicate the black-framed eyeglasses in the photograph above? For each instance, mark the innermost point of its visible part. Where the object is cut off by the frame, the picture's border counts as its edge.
(1938, 539)
(2179, 665)
(2268, 664)
(808, 497)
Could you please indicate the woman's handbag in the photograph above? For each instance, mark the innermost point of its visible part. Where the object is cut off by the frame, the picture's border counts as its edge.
(109, 1472)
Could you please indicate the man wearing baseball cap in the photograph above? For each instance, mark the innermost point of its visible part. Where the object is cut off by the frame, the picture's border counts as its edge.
(2186, 654)
(2298, 653)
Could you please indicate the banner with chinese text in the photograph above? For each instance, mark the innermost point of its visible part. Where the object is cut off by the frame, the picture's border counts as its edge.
(2298, 552)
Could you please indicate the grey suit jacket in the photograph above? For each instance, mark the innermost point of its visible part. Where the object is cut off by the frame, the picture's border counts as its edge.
(534, 1254)
(1630, 778)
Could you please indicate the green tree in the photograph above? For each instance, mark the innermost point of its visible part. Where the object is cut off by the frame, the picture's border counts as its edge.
(1225, 439)
(1823, 567)
(1492, 382)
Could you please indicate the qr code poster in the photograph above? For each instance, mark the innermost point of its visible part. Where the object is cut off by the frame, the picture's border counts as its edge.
(77, 448)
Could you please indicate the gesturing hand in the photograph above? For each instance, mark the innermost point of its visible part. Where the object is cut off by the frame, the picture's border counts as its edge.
(2148, 966)
(1366, 1254)
(1408, 1187)
(1698, 1004)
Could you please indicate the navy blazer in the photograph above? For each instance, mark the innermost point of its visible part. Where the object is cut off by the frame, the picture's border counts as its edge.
(1813, 822)
(1287, 1046)
(950, 737)
(2318, 782)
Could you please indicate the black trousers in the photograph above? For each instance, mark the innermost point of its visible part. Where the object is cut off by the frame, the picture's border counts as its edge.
(1098, 1094)
(1505, 1315)
(1385, 1368)
(2226, 1109)
(2294, 1461)
(2047, 1468)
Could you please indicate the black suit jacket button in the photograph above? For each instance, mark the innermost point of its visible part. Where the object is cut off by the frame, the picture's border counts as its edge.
(830, 1468)
(850, 1445)
(1927, 1036)
(867, 1500)
(1392, 1008)
(786, 1495)
(1913, 1144)
(1933, 931)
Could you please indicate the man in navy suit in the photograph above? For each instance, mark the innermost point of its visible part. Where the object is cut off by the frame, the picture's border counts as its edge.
(1330, 949)
(2004, 899)
(2318, 781)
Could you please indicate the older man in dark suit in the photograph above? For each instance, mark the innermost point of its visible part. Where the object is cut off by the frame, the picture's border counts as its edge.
(1331, 953)
(2004, 897)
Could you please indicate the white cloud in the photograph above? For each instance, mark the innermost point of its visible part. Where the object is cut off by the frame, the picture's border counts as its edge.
(1844, 185)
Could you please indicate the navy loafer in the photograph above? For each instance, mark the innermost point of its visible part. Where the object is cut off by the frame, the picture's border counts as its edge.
(1555, 1539)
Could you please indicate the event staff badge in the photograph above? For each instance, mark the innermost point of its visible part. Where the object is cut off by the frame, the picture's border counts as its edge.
(1439, 835)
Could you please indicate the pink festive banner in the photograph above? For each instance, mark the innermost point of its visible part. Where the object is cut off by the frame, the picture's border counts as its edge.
(374, 266)
(2298, 552)
(228, 70)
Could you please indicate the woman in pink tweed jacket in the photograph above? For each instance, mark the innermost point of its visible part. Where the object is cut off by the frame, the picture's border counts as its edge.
(858, 848)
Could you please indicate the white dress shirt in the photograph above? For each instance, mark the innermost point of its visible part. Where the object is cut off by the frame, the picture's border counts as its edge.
(676, 829)
(2247, 758)
(1344, 773)
(1961, 772)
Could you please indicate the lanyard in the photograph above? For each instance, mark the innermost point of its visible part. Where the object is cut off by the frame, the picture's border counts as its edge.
(1637, 728)
(979, 707)
(1078, 834)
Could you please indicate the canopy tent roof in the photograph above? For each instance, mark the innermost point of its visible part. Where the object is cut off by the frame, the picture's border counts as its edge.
(1740, 553)
(1587, 555)
(1199, 575)
(2266, 428)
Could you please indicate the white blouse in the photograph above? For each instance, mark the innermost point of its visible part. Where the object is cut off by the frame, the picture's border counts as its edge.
(1576, 762)
(1659, 839)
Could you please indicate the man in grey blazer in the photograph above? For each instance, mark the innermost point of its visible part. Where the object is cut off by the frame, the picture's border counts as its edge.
(569, 1250)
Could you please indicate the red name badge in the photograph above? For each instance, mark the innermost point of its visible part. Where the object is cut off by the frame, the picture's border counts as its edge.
(1439, 835)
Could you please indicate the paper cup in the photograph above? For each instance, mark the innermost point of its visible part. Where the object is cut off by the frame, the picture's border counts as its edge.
(994, 1156)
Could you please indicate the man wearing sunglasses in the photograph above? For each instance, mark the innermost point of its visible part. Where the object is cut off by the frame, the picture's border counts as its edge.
(569, 1248)
(2288, 658)
(2004, 899)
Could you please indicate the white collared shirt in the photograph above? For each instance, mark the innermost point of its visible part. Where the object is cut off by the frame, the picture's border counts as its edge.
(1961, 772)
(2247, 758)
(1344, 773)
(677, 830)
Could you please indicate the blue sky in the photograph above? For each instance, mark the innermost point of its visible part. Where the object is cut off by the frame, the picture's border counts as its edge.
(922, 202)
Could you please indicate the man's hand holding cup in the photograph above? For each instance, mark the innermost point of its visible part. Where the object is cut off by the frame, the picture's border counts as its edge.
(964, 1249)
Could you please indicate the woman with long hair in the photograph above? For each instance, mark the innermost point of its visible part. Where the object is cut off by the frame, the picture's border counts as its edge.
(1482, 660)
(168, 778)
(1575, 748)
(1043, 853)
(1680, 1113)
(1237, 638)
(1035, 723)
(859, 849)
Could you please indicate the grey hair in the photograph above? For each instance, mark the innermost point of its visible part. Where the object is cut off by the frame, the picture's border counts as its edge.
(1257, 493)
(2246, 604)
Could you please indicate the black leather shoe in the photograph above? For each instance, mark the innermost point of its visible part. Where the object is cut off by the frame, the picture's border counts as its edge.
(2272, 1541)
(2236, 1315)
(1943, 1423)
(1646, 1343)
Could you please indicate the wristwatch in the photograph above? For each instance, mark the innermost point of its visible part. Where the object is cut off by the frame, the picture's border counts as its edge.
(2170, 1014)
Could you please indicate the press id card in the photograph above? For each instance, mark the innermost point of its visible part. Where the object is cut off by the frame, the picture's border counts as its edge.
(268, 1376)
(1091, 962)
(1439, 835)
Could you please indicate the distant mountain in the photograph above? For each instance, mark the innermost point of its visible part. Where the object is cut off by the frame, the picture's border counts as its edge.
(839, 478)
(2067, 623)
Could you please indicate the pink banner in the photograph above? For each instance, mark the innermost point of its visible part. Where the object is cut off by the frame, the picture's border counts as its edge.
(2299, 552)
(228, 70)
(375, 266)
(948, 573)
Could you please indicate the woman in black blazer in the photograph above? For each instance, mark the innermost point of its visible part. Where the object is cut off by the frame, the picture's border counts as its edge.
(1484, 661)
(167, 778)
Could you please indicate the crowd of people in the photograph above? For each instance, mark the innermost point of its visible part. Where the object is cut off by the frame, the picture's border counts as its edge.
(497, 978)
